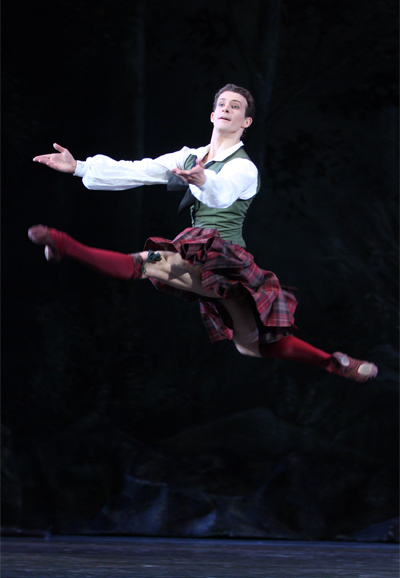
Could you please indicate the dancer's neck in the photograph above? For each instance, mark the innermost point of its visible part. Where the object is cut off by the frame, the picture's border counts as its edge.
(221, 142)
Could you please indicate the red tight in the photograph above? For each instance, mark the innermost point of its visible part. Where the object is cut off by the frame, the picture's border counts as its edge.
(295, 349)
(117, 265)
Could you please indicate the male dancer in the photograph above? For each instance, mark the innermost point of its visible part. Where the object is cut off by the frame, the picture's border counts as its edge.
(207, 262)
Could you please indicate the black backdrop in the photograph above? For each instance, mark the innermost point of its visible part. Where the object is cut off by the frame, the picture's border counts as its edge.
(105, 382)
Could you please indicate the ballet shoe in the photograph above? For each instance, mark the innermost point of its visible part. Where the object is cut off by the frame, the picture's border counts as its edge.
(51, 255)
(41, 235)
(355, 369)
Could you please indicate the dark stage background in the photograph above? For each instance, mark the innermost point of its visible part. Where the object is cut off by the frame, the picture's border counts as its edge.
(118, 414)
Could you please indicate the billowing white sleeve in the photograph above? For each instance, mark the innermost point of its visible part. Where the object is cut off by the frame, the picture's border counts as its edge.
(236, 180)
(104, 173)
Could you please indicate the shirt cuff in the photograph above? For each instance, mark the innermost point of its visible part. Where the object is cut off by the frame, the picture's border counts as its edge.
(80, 169)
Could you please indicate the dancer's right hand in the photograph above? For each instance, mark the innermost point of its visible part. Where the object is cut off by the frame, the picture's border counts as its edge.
(62, 161)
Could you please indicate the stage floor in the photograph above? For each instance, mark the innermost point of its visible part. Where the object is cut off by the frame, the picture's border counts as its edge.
(103, 557)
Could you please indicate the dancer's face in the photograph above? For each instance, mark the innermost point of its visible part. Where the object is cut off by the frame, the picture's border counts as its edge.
(230, 113)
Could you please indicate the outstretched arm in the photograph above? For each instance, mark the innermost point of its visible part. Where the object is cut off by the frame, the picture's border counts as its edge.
(62, 161)
(104, 173)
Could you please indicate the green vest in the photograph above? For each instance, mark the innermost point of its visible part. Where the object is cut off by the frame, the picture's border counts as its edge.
(229, 221)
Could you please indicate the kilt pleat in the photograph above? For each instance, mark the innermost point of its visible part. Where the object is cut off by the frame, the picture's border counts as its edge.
(229, 271)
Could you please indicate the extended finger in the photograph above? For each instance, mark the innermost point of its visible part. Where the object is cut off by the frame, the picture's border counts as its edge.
(42, 158)
(59, 148)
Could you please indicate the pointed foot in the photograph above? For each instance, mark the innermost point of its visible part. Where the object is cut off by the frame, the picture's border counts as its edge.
(41, 235)
(355, 369)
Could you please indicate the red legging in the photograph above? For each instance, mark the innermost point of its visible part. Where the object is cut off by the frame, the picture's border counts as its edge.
(123, 266)
(110, 263)
(295, 349)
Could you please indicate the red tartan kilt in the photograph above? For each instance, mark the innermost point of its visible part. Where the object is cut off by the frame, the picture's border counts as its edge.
(228, 271)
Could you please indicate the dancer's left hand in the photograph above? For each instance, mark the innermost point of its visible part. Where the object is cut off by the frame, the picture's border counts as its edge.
(195, 176)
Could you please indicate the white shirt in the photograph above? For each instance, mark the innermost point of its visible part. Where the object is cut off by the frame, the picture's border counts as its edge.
(236, 180)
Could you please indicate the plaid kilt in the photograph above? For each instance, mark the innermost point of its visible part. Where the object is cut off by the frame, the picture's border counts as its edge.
(229, 271)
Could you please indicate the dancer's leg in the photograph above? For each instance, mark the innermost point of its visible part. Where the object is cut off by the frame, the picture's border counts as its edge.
(175, 271)
(245, 332)
(246, 340)
(165, 266)
(295, 349)
(59, 244)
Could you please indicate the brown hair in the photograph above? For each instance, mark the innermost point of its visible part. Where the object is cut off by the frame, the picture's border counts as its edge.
(250, 110)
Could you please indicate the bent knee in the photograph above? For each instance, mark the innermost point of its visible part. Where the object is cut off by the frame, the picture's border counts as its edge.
(154, 263)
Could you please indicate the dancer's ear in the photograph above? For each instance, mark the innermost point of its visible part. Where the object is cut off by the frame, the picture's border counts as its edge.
(247, 122)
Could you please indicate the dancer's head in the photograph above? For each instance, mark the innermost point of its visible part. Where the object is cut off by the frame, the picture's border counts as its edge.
(250, 110)
(241, 103)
